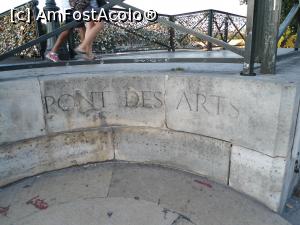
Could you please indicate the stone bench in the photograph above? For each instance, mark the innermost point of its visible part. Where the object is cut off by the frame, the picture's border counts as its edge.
(238, 131)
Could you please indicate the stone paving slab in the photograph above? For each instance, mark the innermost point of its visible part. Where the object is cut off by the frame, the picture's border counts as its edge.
(101, 211)
(292, 210)
(199, 199)
(130, 194)
(54, 188)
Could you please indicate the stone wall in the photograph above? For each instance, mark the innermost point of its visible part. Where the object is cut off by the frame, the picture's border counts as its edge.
(238, 131)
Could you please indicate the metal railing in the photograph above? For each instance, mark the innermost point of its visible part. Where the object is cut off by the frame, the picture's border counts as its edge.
(17, 34)
(152, 36)
(175, 27)
(261, 33)
(139, 36)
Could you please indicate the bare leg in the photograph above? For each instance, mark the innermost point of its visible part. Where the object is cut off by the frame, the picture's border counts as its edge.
(60, 40)
(81, 31)
(64, 36)
(93, 28)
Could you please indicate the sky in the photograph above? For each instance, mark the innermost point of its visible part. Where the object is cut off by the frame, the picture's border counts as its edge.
(161, 6)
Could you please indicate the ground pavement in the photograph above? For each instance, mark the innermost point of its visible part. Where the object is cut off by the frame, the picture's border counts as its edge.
(127, 194)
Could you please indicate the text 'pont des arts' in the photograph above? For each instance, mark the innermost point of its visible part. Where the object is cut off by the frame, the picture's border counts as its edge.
(209, 104)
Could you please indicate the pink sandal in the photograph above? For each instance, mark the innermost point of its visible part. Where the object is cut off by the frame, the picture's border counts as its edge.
(52, 56)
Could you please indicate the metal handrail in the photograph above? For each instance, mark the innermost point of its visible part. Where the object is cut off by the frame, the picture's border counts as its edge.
(110, 5)
(207, 10)
(287, 21)
(44, 37)
(190, 31)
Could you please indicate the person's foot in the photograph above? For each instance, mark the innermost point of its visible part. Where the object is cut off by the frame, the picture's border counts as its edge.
(52, 56)
(89, 57)
(79, 51)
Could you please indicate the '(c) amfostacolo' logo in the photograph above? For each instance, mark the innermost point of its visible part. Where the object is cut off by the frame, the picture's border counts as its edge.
(111, 16)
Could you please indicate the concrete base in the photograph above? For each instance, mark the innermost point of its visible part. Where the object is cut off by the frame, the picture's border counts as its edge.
(127, 194)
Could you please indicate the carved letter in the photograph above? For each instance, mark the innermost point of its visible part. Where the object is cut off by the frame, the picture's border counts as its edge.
(218, 111)
(95, 98)
(202, 103)
(236, 110)
(186, 99)
(159, 100)
(66, 102)
(132, 99)
(144, 99)
(47, 105)
(83, 102)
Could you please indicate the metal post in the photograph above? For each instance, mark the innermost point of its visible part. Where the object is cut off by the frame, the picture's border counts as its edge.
(51, 25)
(272, 22)
(249, 57)
(297, 43)
(226, 29)
(172, 35)
(210, 28)
(42, 46)
(259, 30)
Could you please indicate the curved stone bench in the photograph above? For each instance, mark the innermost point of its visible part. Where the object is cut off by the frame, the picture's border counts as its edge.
(237, 131)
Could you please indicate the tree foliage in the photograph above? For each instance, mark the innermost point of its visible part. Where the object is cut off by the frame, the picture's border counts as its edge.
(285, 9)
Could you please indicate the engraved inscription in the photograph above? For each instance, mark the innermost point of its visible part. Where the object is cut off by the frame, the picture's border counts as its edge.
(207, 103)
(145, 99)
(99, 100)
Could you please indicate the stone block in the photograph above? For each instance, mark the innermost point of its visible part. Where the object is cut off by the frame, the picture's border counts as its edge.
(201, 155)
(83, 101)
(31, 157)
(258, 175)
(21, 110)
(255, 114)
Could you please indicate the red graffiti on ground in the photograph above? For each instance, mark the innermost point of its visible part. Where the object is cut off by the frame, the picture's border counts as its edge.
(38, 203)
(203, 183)
(4, 211)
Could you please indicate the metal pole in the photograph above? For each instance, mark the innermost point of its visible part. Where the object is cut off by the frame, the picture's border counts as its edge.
(42, 46)
(297, 43)
(210, 28)
(289, 18)
(259, 30)
(226, 29)
(51, 25)
(249, 57)
(271, 28)
(172, 35)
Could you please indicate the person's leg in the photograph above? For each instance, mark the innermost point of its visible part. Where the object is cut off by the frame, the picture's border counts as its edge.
(92, 29)
(81, 31)
(89, 49)
(60, 40)
(52, 55)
